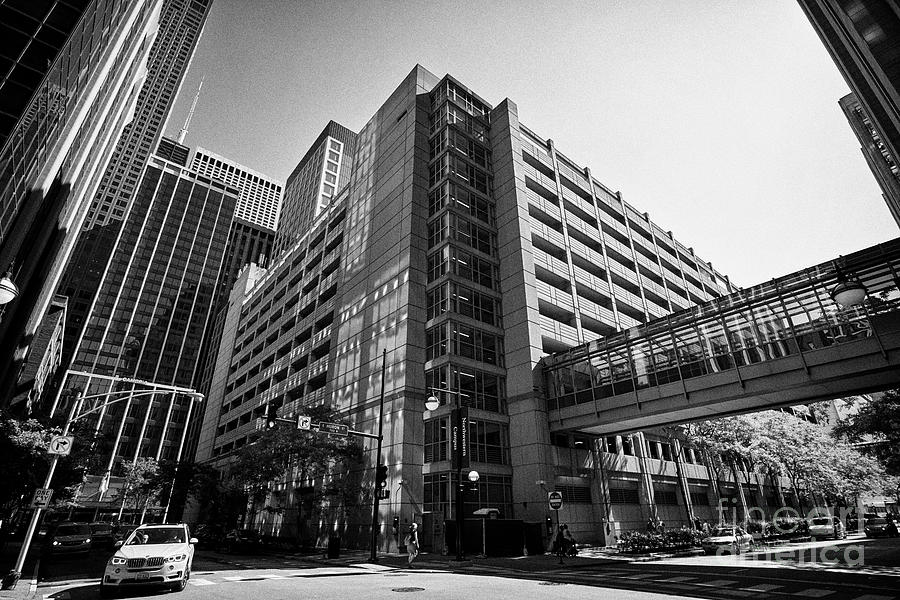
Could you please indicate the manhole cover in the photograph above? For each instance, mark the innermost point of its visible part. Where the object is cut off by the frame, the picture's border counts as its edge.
(408, 589)
(551, 583)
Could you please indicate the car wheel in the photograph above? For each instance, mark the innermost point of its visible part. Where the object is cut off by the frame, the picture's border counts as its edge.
(182, 583)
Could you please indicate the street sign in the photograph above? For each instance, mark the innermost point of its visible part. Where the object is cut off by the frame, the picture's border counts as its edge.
(41, 498)
(304, 423)
(333, 428)
(459, 438)
(555, 499)
(383, 494)
(61, 444)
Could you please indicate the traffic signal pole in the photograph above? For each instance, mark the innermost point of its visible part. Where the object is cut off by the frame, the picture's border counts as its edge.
(36, 516)
(373, 554)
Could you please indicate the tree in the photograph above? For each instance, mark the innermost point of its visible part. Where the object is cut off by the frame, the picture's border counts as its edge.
(317, 463)
(141, 484)
(876, 428)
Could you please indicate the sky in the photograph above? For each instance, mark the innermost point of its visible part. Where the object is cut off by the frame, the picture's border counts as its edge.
(720, 119)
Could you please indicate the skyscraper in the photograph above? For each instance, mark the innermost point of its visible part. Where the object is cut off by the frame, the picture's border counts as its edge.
(468, 247)
(322, 172)
(71, 87)
(863, 38)
(153, 307)
(250, 239)
(882, 163)
(181, 24)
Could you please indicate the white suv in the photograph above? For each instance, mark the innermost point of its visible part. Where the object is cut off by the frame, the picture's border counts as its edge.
(157, 555)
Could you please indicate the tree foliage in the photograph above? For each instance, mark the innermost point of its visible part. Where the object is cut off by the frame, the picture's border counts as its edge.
(875, 426)
(318, 463)
(783, 444)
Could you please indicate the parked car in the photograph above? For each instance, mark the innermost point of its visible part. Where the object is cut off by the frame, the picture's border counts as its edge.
(68, 538)
(881, 527)
(102, 535)
(827, 527)
(241, 540)
(727, 539)
(153, 555)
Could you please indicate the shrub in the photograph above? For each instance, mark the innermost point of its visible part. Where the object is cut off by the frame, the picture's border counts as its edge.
(633, 542)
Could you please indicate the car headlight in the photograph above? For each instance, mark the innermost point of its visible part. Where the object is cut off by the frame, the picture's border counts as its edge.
(87, 541)
(56, 542)
(176, 558)
(117, 560)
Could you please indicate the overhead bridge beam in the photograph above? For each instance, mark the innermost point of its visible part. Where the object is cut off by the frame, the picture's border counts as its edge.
(865, 365)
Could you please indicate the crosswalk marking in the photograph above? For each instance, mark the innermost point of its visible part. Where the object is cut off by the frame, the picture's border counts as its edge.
(874, 597)
(201, 582)
(676, 580)
(639, 576)
(233, 578)
(717, 582)
(763, 587)
(813, 593)
(273, 576)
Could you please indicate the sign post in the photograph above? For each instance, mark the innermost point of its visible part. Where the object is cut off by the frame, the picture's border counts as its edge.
(556, 501)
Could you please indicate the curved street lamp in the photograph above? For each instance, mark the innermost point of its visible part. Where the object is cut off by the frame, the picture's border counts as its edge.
(8, 290)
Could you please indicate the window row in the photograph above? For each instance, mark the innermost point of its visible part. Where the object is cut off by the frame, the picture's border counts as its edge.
(488, 441)
(449, 90)
(455, 298)
(461, 230)
(461, 263)
(476, 388)
(493, 491)
(463, 340)
(452, 195)
(450, 114)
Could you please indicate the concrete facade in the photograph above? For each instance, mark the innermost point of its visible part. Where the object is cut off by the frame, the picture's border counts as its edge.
(467, 247)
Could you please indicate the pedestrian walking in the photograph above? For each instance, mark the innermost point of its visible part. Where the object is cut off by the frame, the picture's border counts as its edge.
(412, 543)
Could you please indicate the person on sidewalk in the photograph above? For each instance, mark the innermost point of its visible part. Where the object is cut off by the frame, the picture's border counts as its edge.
(412, 543)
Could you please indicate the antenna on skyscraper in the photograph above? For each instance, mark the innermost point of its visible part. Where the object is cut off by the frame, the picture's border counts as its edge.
(187, 121)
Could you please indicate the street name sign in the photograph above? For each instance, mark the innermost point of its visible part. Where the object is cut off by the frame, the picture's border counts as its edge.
(555, 499)
(333, 429)
(41, 498)
(61, 444)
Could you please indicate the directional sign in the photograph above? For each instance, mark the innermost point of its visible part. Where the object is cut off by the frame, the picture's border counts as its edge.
(555, 499)
(304, 423)
(333, 428)
(41, 498)
(61, 444)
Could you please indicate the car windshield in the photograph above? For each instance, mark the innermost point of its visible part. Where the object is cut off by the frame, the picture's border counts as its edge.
(157, 535)
(821, 521)
(876, 522)
(97, 527)
(73, 530)
(720, 531)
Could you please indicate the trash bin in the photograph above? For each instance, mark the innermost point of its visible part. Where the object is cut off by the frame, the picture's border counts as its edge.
(334, 546)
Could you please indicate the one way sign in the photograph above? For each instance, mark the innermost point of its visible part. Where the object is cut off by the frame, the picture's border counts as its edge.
(61, 444)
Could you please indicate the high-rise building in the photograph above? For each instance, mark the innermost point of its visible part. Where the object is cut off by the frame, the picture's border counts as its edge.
(260, 197)
(863, 38)
(153, 308)
(71, 82)
(322, 172)
(468, 247)
(250, 240)
(882, 163)
(181, 24)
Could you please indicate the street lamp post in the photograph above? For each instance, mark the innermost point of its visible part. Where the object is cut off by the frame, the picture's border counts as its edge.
(459, 438)
(13, 577)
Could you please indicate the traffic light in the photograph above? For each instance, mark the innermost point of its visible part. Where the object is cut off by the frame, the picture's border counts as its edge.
(381, 476)
(271, 416)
